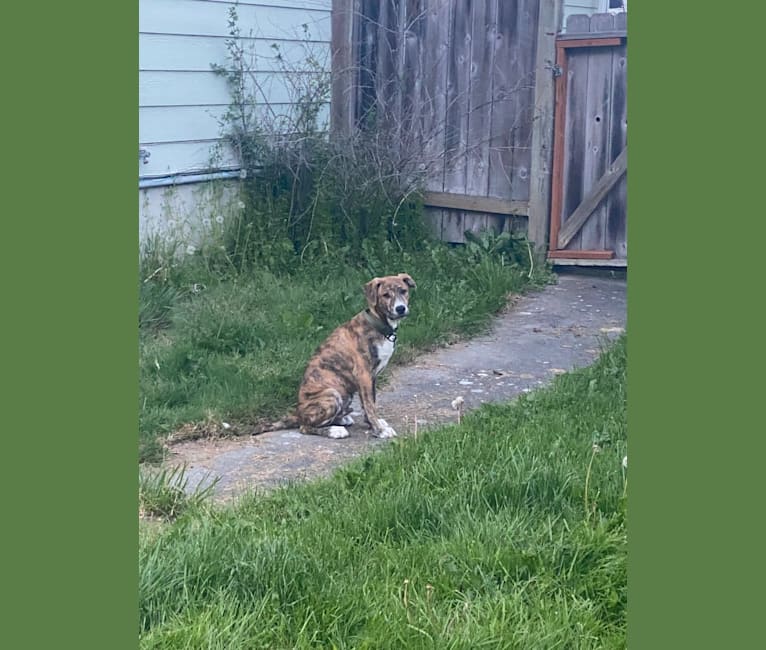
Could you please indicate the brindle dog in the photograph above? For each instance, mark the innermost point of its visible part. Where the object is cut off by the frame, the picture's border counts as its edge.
(351, 358)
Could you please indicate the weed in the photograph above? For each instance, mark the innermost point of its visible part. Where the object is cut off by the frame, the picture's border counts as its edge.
(163, 493)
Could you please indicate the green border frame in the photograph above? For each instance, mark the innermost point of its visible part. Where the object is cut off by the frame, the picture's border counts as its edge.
(694, 291)
(70, 277)
(70, 273)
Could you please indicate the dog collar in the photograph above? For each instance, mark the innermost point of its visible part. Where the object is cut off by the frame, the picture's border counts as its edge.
(384, 328)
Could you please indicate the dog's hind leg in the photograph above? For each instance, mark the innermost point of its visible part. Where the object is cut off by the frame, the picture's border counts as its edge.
(344, 419)
(320, 414)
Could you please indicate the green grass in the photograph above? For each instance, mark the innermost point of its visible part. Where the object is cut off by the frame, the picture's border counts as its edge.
(217, 346)
(507, 531)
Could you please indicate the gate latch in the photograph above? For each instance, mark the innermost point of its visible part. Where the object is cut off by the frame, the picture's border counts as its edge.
(555, 69)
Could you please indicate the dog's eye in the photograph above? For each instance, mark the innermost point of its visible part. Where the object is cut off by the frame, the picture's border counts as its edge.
(403, 291)
(386, 295)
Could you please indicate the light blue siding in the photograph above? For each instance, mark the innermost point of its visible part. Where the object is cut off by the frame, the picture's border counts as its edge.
(181, 100)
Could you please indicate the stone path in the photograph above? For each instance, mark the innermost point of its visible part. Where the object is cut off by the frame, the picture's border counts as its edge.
(545, 333)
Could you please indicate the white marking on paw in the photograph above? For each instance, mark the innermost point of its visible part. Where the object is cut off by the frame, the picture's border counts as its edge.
(386, 432)
(337, 432)
(346, 421)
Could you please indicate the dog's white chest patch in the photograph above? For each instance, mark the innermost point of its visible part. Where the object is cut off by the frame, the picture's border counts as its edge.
(385, 350)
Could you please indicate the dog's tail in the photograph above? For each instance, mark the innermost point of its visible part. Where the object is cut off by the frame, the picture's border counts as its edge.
(290, 421)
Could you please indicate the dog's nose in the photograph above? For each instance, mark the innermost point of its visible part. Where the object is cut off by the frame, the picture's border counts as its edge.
(400, 309)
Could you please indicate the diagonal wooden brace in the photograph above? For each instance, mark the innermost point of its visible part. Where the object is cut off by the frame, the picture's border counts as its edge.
(599, 190)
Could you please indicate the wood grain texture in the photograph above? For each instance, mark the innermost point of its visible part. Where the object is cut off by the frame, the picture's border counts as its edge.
(541, 154)
(489, 204)
(616, 236)
(591, 200)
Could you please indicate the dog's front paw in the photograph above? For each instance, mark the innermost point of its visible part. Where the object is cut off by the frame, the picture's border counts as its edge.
(337, 432)
(384, 430)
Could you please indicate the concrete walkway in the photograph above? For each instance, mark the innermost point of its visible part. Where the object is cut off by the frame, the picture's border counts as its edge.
(544, 334)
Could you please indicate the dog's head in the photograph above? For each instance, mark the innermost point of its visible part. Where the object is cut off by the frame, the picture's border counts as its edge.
(389, 296)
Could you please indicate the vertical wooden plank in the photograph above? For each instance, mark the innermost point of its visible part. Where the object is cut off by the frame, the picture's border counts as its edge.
(475, 221)
(432, 217)
(483, 24)
(436, 42)
(456, 127)
(388, 87)
(559, 143)
(542, 132)
(503, 85)
(574, 147)
(524, 64)
(597, 114)
(617, 208)
(343, 93)
(383, 64)
(412, 75)
(367, 61)
(480, 99)
(453, 226)
(578, 24)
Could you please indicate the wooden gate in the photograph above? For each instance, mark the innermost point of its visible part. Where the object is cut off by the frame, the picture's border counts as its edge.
(589, 187)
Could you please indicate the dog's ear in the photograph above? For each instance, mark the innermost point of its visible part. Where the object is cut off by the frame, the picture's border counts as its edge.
(371, 291)
(408, 280)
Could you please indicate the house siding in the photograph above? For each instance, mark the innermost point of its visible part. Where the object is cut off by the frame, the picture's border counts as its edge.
(572, 7)
(181, 100)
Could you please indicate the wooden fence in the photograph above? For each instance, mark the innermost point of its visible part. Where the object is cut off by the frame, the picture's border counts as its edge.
(467, 89)
(467, 86)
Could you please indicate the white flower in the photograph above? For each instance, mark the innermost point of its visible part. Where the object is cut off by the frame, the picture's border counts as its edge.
(457, 403)
(596, 448)
(219, 219)
(190, 250)
(207, 223)
(225, 425)
(243, 173)
(241, 205)
(625, 462)
(171, 223)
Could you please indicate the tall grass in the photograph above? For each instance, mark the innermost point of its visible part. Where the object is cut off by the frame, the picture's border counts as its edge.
(469, 536)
